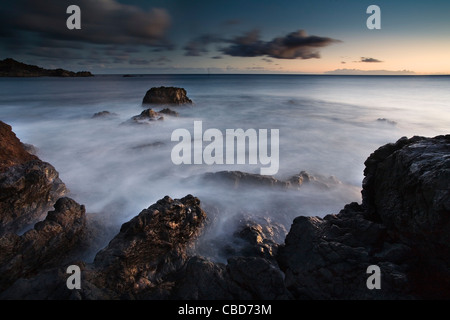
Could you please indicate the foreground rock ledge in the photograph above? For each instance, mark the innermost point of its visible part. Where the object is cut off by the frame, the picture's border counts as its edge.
(402, 226)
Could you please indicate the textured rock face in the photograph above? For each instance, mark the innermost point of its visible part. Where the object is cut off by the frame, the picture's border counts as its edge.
(28, 186)
(151, 245)
(166, 95)
(407, 186)
(12, 150)
(45, 245)
(402, 226)
(147, 115)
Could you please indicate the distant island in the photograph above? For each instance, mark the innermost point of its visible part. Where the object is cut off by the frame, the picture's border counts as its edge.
(12, 68)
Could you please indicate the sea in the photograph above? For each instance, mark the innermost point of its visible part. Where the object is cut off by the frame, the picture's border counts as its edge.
(328, 126)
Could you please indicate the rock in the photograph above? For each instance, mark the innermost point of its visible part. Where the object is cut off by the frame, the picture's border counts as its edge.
(28, 186)
(407, 188)
(241, 279)
(44, 246)
(259, 239)
(318, 181)
(402, 226)
(166, 95)
(169, 112)
(146, 116)
(12, 68)
(12, 150)
(150, 246)
(104, 114)
(238, 179)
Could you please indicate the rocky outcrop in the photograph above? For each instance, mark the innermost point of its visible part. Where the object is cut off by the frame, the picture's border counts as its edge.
(12, 68)
(166, 95)
(44, 246)
(169, 112)
(146, 116)
(150, 246)
(28, 186)
(402, 227)
(238, 179)
(12, 150)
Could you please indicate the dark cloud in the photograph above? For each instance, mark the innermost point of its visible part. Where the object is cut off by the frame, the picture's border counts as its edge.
(102, 22)
(47, 52)
(364, 59)
(217, 57)
(267, 60)
(199, 45)
(295, 45)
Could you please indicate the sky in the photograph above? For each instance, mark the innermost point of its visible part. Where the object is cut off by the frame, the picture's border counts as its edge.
(229, 36)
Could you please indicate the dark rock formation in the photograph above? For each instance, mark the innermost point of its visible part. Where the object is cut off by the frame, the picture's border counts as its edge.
(12, 68)
(169, 112)
(237, 179)
(166, 95)
(44, 246)
(241, 279)
(12, 150)
(402, 226)
(104, 114)
(28, 186)
(147, 115)
(150, 246)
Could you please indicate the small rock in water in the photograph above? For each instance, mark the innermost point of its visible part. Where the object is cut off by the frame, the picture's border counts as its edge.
(166, 95)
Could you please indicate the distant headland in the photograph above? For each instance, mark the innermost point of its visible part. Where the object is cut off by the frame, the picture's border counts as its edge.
(12, 68)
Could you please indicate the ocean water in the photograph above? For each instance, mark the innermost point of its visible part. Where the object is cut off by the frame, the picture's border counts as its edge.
(328, 125)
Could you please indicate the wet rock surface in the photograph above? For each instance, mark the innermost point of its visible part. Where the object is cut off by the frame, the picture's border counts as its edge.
(166, 95)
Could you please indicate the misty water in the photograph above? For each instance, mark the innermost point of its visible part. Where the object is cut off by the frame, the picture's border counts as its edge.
(328, 126)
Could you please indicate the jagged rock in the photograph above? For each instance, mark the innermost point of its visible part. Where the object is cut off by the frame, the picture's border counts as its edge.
(146, 116)
(402, 226)
(166, 95)
(151, 245)
(169, 112)
(12, 150)
(259, 239)
(44, 246)
(28, 186)
(241, 279)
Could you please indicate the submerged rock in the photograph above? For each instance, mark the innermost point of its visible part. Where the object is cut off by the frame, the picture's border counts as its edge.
(169, 112)
(104, 114)
(166, 95)
(147, 115)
